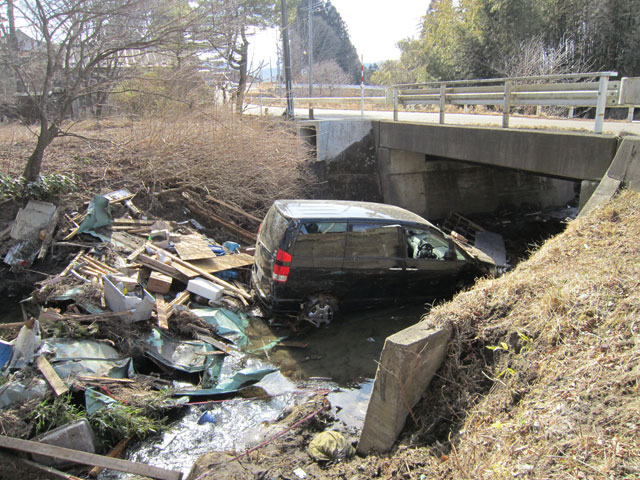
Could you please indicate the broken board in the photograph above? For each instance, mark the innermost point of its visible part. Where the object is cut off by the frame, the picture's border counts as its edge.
(223, 262)
(193, 247)
(89, 458)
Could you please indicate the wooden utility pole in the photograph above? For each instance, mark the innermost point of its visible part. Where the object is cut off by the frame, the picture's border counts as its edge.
(287, 58)
(310, 58)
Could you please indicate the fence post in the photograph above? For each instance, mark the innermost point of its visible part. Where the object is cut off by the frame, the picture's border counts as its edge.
(443, 101)
(601, 103)
(395, 104)
(506, 109)
(630, 114)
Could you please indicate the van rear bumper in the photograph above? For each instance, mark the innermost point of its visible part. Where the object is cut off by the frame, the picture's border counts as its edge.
(273, 304)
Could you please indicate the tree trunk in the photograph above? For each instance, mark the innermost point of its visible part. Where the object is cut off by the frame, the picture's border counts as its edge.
(32, 170)
(242, 71)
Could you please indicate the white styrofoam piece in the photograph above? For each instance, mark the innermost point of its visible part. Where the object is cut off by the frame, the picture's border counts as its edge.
(75, 435)
(205, 288)
(117, 301)
(31, 219)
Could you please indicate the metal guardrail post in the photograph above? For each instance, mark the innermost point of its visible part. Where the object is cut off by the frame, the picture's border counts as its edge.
(601, 103)
(395, 104)
(443, 101)
(506, 107)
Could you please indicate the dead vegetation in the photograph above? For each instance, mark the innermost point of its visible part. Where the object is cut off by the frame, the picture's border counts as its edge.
(543, 373)
(244, 161)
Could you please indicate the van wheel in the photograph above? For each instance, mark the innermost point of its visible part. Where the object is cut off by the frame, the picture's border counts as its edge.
(320, 310)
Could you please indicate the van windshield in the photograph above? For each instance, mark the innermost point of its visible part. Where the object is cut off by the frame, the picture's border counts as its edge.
(274, 227)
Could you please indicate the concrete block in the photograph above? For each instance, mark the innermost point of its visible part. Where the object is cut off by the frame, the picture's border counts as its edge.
(75, 435)
(408, 362)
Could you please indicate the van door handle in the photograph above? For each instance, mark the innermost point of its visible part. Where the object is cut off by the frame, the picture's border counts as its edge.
(412, 269)
(396, 269)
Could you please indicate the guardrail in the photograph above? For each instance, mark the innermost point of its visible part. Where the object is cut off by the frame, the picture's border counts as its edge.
(521, 91)
(594, 89)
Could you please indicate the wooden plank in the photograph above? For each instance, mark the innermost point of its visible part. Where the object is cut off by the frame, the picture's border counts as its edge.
(161, 310)
(180, 299)
(86, 458)
(233, 208)
(116, 452)
(50, 471)
(200, 272)
(134, 255)
(94, 379)
(216, 343)
(54, 380)
(224, 262)
(163, 267)
(193, 247)
(245, 235)
(133, 221)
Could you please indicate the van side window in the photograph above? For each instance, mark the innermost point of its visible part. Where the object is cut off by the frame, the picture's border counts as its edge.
(373, 240)
(320, 239)
(424, 243)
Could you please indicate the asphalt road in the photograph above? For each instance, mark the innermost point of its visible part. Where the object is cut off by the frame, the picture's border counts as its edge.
(613, 127)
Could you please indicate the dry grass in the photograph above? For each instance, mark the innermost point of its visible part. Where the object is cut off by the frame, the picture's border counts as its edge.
(245, 161)
(542, 378)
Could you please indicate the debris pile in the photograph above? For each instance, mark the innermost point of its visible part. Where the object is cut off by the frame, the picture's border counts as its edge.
(141, 318)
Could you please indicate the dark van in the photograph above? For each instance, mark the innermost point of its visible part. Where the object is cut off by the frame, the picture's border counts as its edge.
(315, 256)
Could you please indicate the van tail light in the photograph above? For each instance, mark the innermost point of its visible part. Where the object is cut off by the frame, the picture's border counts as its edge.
(260, 228)
(282, 266)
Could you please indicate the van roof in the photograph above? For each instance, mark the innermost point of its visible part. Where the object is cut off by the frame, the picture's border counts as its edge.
(345, 209)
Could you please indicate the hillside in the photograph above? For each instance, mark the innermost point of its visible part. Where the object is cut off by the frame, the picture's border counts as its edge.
(543, 373)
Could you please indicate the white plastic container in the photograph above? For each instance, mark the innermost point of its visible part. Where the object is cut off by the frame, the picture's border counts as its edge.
(205, 288)
(118, 301)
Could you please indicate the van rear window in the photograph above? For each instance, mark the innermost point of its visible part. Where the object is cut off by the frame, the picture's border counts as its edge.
(274, 227)
(325, 239)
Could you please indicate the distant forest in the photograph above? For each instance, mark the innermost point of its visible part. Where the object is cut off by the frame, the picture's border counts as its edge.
(462, 39)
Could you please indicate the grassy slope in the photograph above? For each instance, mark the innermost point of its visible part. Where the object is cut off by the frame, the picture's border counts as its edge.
(543, 373)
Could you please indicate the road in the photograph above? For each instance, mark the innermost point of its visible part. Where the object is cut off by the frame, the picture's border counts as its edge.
(613, 127)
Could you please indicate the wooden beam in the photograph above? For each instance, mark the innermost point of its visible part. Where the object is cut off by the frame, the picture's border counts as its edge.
(52, 377)
(245, 235)
(233, 209)
(161, 310)
(200, 272)
(86, 458)
(116, 452)
(163, 267)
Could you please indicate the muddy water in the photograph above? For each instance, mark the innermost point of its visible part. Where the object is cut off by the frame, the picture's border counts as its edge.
(341, 358)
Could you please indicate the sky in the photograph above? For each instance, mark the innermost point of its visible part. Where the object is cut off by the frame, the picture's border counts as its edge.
(375, 26)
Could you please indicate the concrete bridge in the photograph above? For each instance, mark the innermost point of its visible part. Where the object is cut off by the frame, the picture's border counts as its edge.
(434, 169)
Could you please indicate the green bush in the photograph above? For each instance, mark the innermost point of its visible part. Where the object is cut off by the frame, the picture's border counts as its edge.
(44, 186)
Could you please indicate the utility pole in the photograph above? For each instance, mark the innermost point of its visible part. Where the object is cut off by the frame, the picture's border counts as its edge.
(287, 58)
(310, 58)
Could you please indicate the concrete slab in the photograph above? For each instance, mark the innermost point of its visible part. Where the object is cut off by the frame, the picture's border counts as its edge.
(624, 170)
(408, 362)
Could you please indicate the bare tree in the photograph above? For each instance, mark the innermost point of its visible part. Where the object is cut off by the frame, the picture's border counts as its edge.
(230, 22)
(82, 50)
(537, 58)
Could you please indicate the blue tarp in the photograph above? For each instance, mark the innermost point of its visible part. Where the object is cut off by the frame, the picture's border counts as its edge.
(228, 324)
